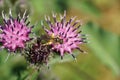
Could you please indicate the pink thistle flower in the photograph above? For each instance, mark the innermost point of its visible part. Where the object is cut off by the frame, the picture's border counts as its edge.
(66, 35)
(15, 32)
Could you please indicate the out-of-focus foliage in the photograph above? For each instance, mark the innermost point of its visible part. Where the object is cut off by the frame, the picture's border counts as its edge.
(101, 22)
(107, 45)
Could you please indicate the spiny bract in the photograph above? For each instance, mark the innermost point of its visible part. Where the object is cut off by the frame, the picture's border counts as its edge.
(37, 53)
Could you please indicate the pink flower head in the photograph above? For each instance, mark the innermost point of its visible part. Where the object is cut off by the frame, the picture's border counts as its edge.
(14, 33)
(66, 33)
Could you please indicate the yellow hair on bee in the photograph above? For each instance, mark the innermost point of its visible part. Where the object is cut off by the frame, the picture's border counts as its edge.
(53, 39)
(53, 35)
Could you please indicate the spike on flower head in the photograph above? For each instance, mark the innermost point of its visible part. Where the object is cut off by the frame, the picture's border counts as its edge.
(65, 34)
(15, 32)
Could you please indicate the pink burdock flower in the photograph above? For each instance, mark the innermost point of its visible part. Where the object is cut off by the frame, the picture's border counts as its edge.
(65, 35)
(15, 32)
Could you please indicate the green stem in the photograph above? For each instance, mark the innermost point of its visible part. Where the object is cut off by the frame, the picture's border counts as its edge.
(19, 76)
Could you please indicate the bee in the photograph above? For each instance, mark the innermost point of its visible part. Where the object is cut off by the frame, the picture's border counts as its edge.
(49, 40)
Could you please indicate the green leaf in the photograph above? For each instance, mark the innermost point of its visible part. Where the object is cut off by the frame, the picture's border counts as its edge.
(105, 46)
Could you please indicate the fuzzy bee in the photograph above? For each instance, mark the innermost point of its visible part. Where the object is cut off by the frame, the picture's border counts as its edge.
(52, 39)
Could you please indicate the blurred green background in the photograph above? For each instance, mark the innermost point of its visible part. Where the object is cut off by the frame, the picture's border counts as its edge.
(101, 21)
